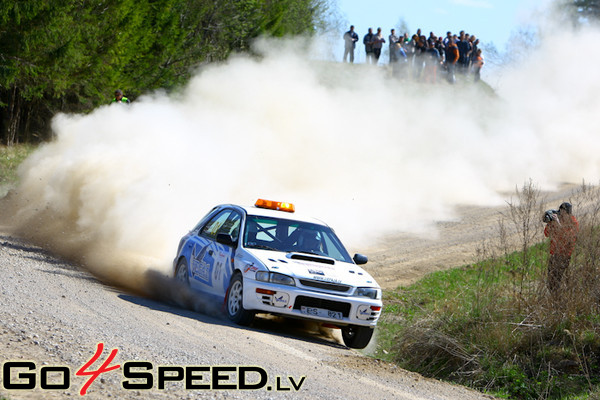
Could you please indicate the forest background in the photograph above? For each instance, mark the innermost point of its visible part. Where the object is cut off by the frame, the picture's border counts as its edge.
(70, 56)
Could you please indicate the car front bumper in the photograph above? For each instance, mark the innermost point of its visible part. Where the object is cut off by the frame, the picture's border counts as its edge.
(297, 302)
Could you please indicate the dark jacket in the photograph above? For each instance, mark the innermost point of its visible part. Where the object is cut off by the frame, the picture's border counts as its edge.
(368, 42)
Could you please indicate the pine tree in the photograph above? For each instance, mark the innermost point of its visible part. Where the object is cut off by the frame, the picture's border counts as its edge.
(70, 56)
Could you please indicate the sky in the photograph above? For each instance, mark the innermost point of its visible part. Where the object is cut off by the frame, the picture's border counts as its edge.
(490, 20)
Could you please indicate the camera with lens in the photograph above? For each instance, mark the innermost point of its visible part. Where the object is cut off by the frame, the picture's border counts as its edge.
(548, 215)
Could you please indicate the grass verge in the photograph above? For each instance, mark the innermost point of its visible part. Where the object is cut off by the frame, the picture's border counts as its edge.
(10, 159)
(493, 325)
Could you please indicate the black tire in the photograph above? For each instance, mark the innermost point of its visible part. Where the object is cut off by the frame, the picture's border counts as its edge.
(234, 304)
(357, 337)
(181, 272)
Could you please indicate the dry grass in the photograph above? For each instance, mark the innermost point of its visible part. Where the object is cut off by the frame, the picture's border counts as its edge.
(494, 326)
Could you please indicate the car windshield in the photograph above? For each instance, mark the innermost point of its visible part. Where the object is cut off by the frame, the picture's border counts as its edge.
(285, 235)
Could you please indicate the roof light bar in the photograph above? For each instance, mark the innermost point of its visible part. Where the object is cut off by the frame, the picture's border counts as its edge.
(275, 205)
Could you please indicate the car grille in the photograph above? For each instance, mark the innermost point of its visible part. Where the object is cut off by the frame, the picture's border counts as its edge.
(336, 287)
(331, 305)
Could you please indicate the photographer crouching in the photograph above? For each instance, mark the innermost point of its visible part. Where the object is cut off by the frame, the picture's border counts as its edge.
(562, 228)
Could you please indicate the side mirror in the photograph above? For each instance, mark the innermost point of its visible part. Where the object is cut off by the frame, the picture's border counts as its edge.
(226, 239)
(360, 259)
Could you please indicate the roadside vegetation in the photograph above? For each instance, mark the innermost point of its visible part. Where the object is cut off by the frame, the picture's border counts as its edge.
(493, 325)
(10, 159)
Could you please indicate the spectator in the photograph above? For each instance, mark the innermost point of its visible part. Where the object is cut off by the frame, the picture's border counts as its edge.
(419, 57)
(432, 60)
(350, 39)
(474, 47)
(411, 44)
(452, 55)
(432, 38)
(378, 42)
(400, 60)
(119, 98)
(562, 229)
(448, 38)
(368, 42)
(439, 46)
(393, 40)
(477, 65)
(464, 48)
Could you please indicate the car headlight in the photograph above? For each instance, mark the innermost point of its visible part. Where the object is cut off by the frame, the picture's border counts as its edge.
(274, 277)
(371, 293)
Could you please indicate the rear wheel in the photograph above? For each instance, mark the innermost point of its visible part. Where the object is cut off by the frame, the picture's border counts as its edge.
(181, 272)
(235, 302)
(357, 337)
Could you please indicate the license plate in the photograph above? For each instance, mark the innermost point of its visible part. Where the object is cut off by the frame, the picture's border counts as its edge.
(321, 312)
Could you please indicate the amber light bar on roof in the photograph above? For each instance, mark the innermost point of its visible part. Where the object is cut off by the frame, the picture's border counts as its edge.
(275, 205)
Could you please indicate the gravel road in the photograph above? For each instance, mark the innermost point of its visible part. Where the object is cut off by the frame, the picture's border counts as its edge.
(55, 314)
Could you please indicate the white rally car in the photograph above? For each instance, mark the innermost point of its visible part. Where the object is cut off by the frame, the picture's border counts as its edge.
(266, 259)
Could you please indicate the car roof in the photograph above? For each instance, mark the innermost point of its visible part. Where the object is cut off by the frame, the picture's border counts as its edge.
(264, 212)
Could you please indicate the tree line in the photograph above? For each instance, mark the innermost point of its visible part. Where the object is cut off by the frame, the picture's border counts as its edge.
(70, 55)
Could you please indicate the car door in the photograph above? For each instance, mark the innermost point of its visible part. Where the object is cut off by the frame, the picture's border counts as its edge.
(210, 262)
(225, 253)
(202, 251)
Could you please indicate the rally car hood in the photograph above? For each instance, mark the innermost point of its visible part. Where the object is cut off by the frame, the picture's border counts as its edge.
(308, 266)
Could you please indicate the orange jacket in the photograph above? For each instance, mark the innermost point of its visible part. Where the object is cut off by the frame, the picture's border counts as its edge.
(478, 61)
(562, 236)
(453, 54)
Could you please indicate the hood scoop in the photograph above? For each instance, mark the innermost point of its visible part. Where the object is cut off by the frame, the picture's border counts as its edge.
(310, 257)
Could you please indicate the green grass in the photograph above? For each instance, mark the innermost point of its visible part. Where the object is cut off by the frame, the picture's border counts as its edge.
(493, 326)
(10, 158)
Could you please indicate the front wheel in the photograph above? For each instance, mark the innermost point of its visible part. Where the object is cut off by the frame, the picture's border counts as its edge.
(357, 337)
(235, 302)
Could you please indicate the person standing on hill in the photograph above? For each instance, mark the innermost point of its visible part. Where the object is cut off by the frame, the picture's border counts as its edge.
(562, 228)
(452, 55)
(378, 42)
(350, 39)
(432, 61)
(464, 51)
(477, 65)
(368, 42)
(393, 40)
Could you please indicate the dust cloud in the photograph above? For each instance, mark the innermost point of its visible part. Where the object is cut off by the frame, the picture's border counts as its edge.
(368, 154)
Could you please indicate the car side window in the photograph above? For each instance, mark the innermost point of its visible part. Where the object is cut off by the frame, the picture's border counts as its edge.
(232, 226)
(213, 226)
